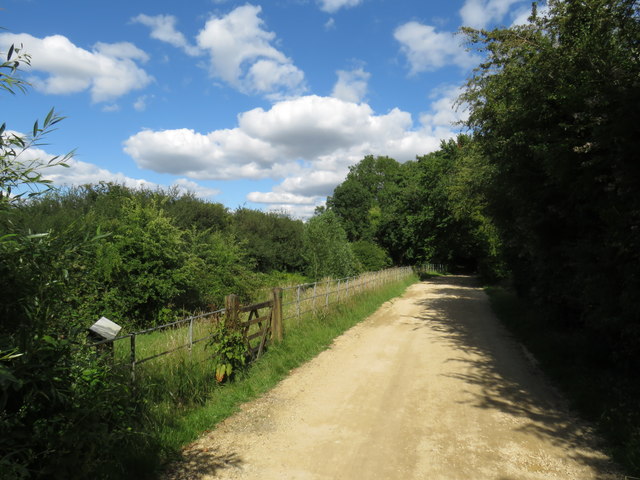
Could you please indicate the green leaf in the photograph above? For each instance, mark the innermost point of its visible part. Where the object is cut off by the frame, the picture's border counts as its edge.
(48, 118)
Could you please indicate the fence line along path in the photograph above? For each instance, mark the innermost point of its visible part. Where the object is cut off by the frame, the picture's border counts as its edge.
(260, 323)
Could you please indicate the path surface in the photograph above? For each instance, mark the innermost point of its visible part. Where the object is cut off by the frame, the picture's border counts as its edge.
(429, 387)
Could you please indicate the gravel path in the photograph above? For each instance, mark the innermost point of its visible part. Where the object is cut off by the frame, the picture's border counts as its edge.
(429, 387)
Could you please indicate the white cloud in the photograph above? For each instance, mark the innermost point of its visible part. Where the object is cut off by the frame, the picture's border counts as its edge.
(184, 185)
(112, 107)
(302, 212)
(315, 183)
(428, 50)
(108, 71)
(222, 154)
(444, 112)
(284, 198)
(163, 28)
(308, 143)
(330, 24)
(242, 55)
(82, 173)
(332, 6)
(140, 105)
(480, 13)
(351, 85)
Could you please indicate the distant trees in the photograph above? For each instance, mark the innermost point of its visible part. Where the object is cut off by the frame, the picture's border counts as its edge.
(326, 250)
(426, 210)
(273, 240)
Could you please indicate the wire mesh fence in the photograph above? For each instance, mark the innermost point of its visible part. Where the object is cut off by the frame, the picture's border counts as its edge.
(187, 337)
(302, 299)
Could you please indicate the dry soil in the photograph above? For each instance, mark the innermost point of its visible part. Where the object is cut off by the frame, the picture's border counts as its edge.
(429, 387)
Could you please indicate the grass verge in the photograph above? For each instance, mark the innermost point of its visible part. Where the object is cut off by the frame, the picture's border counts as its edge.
(601, 393)
(302, 342)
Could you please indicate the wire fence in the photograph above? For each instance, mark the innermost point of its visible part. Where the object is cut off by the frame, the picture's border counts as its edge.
(307, 298)
(190, 334)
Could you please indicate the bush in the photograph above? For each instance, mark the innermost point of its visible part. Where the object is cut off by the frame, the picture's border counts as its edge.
(65, 414)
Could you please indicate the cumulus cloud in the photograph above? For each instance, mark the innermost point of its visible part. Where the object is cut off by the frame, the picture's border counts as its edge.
(242, 54)
(184, 185)
(222, 154)
(351, 85)
(163, 28)
(308, 143)
(83, 173)
(284, 198)
(332, 6)
(445, 112)
(480, 13)
(108, 71)
(428, 50)
(77, 172)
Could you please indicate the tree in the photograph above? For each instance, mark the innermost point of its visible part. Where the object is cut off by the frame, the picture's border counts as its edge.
(554, 112)
(370, 186)
(326, 249)
(273, 240)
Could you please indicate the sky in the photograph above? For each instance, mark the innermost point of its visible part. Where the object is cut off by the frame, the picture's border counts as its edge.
(261, 104)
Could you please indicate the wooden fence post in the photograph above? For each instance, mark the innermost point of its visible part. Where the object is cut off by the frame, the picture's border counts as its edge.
(133, 357)
(277, 327)
(231, 307)
(315, 285)
(326, 301)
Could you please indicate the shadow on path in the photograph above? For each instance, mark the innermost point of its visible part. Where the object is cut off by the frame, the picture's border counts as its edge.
(198, 461)
(503, 378)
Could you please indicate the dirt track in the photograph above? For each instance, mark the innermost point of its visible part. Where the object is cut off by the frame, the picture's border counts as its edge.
(429, 387)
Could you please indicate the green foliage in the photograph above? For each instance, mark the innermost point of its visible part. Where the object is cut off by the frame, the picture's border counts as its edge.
(273, 240)
(145, 270)
(140, 267)
(326, 249)
(18, 177)
(64, 414)
(228, 349)
(188, 211)
(370, 256)
(370, 187)
(554, 109)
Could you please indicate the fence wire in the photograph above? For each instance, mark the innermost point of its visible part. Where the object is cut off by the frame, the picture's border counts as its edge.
(297, 301)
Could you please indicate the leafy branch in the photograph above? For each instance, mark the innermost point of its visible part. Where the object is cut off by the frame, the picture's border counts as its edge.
(18, 174)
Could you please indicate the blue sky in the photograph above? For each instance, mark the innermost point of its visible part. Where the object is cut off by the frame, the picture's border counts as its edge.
(259, 104)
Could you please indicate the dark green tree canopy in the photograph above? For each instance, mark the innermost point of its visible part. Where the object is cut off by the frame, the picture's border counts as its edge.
(554, 110)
